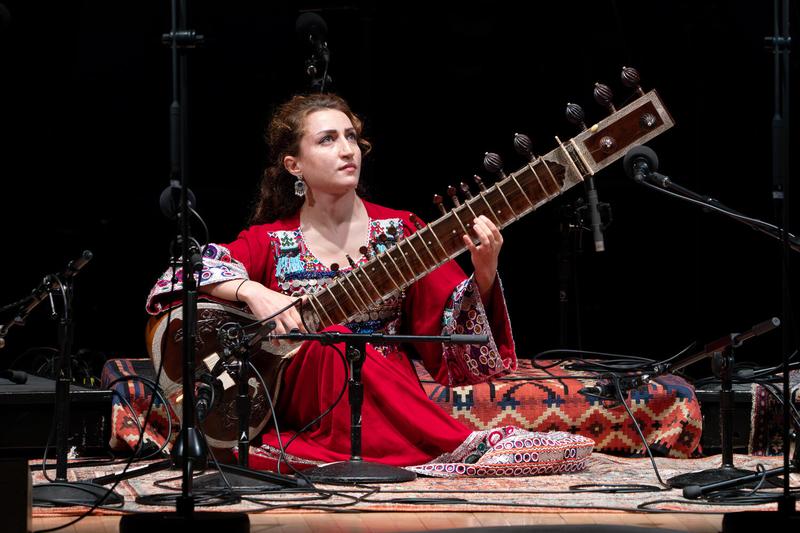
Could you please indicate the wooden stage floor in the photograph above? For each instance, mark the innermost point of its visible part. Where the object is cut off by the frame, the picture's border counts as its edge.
(377, 522)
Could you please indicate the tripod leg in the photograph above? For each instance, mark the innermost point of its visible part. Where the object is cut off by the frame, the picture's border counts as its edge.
(149, 469)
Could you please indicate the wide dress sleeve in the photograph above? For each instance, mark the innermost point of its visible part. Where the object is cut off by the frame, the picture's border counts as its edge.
(447, 302)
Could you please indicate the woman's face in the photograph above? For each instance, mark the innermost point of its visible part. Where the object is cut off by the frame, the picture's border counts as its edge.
(329, 158)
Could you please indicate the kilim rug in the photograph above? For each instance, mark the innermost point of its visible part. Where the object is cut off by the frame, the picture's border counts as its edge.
(549, 493)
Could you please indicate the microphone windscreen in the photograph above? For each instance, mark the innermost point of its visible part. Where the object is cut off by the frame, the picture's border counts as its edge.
(692, 492)
(170, 201)
(636, 153)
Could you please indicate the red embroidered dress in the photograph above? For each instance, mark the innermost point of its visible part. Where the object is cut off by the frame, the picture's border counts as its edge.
(401, 426)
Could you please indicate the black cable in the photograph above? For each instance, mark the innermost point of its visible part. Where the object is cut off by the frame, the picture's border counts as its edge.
(612, 488)
(281, 448)
(156, 391)
(206, 233)
(615, 362)
(110, 490)
(329, 409)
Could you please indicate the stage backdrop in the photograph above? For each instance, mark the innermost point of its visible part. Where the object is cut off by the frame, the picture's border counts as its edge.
(85, 89)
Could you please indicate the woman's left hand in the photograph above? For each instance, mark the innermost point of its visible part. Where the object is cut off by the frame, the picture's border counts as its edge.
(485, 253)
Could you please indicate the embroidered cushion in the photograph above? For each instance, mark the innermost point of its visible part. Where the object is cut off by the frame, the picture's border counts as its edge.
(512, 451)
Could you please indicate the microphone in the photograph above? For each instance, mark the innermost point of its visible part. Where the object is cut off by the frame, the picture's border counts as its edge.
(600, 390)
(641, 164)
(312, 28)
(594, 215)
(607, 390)
(74, 266)
(208, 392)
(170, 201)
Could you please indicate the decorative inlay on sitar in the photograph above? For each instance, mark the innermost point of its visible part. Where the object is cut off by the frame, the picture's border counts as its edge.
(388, 273)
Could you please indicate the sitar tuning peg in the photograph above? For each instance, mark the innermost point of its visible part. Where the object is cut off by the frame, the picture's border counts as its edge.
(494, 163)
(575, 115)
(335, 268)
(453, 194)
(465, 189)
(350, 260)
(630, 78)
(416, 221)
(479, 182)
(439, 201)
(524, 146)
(603, 95)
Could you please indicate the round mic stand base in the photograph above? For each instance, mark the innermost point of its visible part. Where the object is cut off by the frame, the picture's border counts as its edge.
(355, 471)
(722, 363)
(196, 522)
(712, 475)
(60, 494)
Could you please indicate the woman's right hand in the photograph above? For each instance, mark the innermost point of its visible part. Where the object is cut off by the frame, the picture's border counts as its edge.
(264, 302)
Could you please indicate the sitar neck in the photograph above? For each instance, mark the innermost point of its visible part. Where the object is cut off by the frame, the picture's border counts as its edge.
(354, 292)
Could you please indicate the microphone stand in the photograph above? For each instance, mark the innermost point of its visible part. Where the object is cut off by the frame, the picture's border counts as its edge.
(642, 165)
(61, 492)
(568, 287)
(721, 351)
(787, 513)
(661, 183)
(356, 470)
(190, 449)
(241, 476)
(571, 227)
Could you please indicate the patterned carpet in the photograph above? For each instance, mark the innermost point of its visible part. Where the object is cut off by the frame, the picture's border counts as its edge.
(531, 494)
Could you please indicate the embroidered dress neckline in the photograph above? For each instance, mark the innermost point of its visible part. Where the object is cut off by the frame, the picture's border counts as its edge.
(314, 256)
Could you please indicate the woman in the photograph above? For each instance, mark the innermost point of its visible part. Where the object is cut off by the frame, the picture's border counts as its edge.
(308, 220)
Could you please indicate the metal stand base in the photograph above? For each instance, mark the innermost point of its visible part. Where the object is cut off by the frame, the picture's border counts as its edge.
(196, 522)
(63, 494)
(347, 472)
(712, 475)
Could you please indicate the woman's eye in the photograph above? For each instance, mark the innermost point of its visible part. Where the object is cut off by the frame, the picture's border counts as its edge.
(327, 138)
(352, 136)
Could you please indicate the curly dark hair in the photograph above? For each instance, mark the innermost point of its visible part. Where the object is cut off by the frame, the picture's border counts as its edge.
(276, 197)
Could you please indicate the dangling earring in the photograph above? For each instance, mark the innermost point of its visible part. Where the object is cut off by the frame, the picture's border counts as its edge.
(300, 186)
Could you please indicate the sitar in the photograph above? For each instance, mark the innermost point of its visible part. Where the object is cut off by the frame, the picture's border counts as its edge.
(388, 273)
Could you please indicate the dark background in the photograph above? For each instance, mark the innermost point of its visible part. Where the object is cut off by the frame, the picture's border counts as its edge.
(85, 89)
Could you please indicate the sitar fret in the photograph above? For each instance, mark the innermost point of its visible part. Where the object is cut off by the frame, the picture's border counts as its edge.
(313, 298)
(414, 275)
(408, 242)
(406, 283)
(489, 207)
(388, 275)
(341, 278)
(420, 238)
(369, 279)
(522, 191)
(506, 201)
(333, 285)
